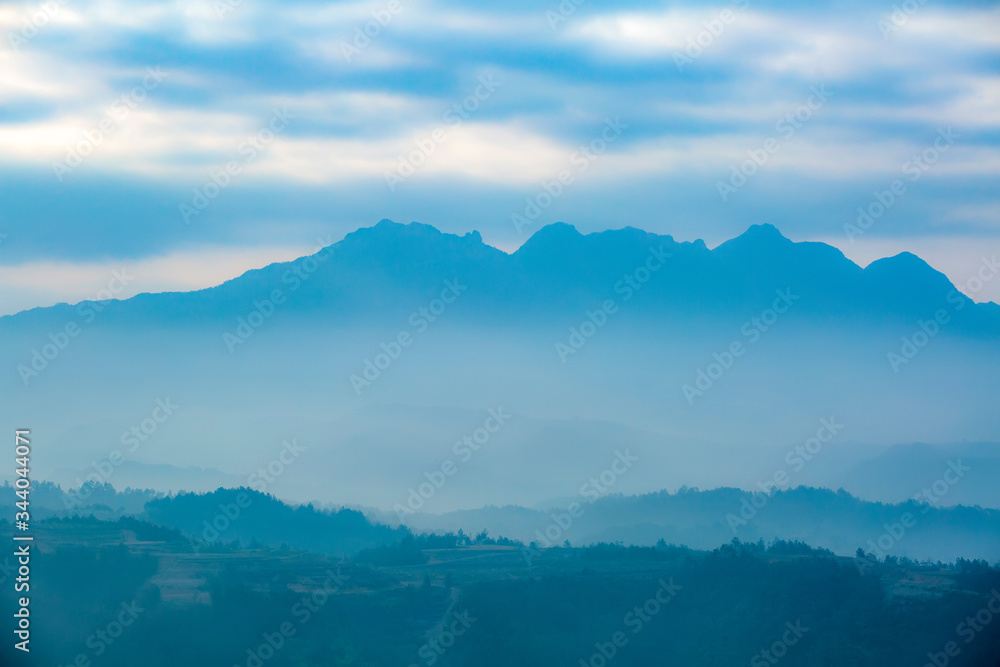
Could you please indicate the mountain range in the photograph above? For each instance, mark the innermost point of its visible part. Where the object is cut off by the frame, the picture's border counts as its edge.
(380, 353)
(389, 268)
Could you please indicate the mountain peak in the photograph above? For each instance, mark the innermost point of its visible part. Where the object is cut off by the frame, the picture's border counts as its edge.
(906, 280)
(386, 226)
(904, 266)
(758, 239)
(387, 235)
(904, 258)
(763, 232)
(556, 231)
(550, 240)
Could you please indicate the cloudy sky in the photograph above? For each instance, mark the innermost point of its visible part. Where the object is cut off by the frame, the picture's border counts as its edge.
(187, 141)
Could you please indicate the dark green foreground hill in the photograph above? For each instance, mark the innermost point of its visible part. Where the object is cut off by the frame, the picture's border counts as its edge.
(127, 592)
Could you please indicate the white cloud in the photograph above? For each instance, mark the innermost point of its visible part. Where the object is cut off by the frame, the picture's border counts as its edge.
(47, 283)
(809, 45)
(354, 119)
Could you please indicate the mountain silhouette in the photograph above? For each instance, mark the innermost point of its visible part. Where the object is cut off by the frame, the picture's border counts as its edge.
(382, 270)
(393, 343)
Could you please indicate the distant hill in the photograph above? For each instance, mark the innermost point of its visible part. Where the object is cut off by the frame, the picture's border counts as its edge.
(248, 516)
(832, 520)
(705, 519)
(380, 351)
(383, 270)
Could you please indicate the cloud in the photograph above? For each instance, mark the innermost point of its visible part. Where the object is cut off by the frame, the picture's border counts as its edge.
(46, 283)
(356, 117)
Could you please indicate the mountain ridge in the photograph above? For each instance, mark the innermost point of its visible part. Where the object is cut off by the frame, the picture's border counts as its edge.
(391, 267)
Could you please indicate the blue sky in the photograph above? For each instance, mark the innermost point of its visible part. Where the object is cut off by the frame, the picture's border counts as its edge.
(115, 118)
